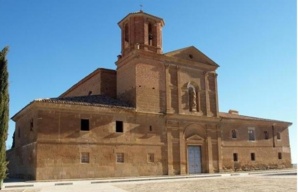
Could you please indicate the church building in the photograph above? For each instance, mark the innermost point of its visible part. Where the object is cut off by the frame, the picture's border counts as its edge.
(156, 114)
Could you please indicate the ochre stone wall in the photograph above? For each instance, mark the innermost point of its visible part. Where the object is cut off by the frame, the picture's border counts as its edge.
(22, 162)
(56, 154)
(67, 163)
(61, 141)
(26, 128)
(266, 149)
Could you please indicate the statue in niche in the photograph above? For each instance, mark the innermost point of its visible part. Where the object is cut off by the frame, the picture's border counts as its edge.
(192, 99)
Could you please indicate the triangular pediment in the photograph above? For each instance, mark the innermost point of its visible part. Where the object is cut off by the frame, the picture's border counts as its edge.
(192, 54)
(194, 137)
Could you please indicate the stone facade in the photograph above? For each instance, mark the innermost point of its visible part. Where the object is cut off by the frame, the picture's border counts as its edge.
(156, 114)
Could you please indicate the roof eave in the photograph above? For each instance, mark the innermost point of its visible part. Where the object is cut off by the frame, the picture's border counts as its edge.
(141, 12)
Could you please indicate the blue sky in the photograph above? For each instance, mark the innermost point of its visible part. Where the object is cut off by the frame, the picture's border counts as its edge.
(53, 44)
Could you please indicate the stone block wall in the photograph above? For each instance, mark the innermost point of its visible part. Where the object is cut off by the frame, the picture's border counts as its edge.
(26, 129)
(61, 143)
(267, 151)
(22, 162)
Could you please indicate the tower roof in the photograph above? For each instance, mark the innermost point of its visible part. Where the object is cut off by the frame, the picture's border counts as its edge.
(141, 13)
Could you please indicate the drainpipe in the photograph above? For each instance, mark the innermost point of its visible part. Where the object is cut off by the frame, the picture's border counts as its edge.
(273, 136)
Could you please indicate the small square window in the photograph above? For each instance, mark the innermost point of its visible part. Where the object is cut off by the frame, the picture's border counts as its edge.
(84, 124)
(252, 156)
(84, 157)
(119, 126)
(150, 157)
(279, 155)
(235, 157)
(120, 157)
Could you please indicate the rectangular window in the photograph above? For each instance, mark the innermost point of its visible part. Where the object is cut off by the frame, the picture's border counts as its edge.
(120, 157)
(150, 157)
(235, 157)
(252, 156)
(84, 124)
(278, 136)
(251, 135)
(279, 155)
(119, 126)
(266, 135)
(84, 157)
(234, 134)
(31, 125)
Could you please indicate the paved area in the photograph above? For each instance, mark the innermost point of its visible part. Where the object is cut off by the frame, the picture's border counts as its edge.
(271, 181)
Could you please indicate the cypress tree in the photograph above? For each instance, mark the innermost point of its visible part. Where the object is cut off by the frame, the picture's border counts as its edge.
(4, 112)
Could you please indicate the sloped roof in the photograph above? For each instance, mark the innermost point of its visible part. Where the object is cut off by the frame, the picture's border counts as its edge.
(193, 54)
(243, 117)
(91, 100)
(86, 78)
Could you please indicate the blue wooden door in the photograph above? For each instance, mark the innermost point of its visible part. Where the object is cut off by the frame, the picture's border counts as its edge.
(194, 159)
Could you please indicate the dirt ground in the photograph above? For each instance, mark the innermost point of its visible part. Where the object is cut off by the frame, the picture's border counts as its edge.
(276, 182)
(237, 184)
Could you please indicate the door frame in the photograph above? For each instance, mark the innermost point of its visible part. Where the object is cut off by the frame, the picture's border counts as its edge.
(201, 158)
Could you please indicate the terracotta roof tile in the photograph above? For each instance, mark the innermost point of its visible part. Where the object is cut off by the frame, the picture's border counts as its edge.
(93, 100)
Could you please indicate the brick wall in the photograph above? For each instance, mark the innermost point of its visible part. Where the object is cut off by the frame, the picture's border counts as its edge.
(150, 90)
(126, 84)
(99, 82)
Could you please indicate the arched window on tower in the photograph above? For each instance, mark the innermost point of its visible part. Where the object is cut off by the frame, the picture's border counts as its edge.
(126, 35)
(150, 34)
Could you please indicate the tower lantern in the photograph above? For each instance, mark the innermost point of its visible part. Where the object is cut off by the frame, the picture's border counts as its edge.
(140, 30)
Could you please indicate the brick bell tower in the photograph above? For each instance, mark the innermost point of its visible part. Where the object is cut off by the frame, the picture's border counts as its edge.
(138, 69)
(140, 30)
